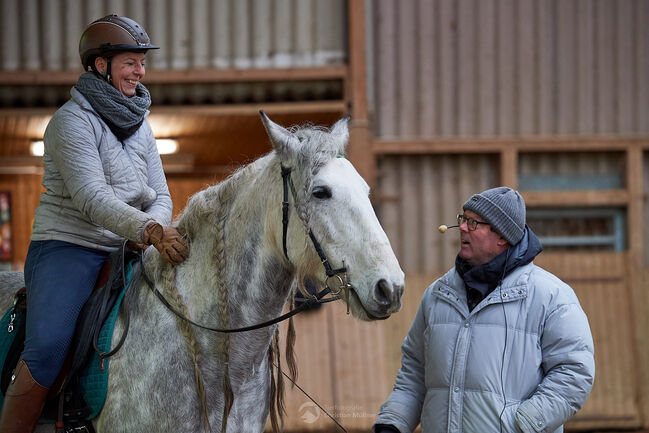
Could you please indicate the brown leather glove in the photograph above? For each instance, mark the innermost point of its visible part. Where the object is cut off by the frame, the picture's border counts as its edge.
(168, 241)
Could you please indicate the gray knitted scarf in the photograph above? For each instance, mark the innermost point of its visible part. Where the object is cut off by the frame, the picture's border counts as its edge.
(122, 114)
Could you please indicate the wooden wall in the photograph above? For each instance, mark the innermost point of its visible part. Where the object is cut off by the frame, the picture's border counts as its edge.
(494, 68)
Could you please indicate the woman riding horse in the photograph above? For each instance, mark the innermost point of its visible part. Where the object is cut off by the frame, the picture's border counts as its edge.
(104, 183)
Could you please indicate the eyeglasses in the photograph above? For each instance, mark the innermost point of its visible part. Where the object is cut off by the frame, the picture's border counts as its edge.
(470, 222)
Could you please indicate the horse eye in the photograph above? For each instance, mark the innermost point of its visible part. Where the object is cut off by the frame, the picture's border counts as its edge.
(321, 192)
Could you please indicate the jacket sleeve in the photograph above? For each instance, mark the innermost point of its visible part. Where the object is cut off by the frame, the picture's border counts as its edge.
(569, 365)
(161, 208)
(71, 146)
(403, 407)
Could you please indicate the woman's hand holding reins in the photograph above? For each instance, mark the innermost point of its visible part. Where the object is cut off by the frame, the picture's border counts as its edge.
(168, 241)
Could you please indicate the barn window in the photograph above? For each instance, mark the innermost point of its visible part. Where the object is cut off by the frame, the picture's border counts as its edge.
(569, 229)
(560, 171)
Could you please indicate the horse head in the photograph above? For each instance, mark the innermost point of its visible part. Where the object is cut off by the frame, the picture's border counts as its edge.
(331, 201)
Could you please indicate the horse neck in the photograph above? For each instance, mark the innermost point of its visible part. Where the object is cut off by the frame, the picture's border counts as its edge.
(236, 249)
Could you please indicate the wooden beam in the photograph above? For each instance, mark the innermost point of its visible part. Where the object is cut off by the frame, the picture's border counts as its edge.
(405, 147)
(523, 144)
(610, 197)
(153, 76)
(360, 142)
(509, 167)
(357, 82)
(253, 109)
(335, 106)
(21, 165)
(635, 220)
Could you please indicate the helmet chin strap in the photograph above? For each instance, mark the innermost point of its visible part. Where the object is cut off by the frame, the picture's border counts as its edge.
(106, 75)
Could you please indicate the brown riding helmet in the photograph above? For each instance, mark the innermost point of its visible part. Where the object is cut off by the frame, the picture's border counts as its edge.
(112, 34)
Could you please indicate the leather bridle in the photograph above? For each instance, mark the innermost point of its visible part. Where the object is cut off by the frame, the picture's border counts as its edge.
(339, 275)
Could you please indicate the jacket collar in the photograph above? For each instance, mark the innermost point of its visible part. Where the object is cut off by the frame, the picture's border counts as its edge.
(451, 288)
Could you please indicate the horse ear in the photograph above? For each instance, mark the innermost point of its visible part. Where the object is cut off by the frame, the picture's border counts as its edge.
(282, 139)
(340, 131)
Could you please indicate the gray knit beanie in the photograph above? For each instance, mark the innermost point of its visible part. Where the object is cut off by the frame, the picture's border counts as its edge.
(503, 208)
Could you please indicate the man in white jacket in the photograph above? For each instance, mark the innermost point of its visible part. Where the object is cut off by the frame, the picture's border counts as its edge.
(498, 344)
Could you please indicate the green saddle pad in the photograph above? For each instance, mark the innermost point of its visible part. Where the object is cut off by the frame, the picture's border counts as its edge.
(94, 378)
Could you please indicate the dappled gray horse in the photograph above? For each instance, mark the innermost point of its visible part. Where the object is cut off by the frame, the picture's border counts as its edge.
(172, 376)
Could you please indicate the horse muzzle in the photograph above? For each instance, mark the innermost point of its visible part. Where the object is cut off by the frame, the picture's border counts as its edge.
(387, 297)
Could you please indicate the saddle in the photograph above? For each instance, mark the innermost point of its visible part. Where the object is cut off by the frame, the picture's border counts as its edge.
(79, 392)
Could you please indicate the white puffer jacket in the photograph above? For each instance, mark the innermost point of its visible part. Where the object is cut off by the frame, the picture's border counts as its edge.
(98, 189)
(450, 379)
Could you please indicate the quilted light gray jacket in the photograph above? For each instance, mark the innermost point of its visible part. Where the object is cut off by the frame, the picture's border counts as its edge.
(98, 189)
(450, 378)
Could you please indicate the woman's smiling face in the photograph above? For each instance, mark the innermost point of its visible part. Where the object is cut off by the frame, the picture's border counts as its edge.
(127, 69)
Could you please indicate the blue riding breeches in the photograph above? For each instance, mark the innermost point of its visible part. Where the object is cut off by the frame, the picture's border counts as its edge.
(59, 277)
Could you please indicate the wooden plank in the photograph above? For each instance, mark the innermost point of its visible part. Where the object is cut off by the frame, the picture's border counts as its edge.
(385, 35)
(253, 109)
(585, 71)
(359, 152)
(431, 212)
(642, 58)
(611, 197)
(467, 73)
(359, 149)
(156, 76)
(509, 167)
(635, 216)
(428, 63)
(566, 79)
(448, 69)
(407, 89)
(526, 68)
(507, 112)
(357, 70)
(409, 210)
(389, 210)
(486, 45)
(546, 96)
(606, 86)
(626, 68)
(527, 144)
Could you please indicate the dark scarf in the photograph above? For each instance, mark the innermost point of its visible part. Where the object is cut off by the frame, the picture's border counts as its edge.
(122, 114)
(483, 279)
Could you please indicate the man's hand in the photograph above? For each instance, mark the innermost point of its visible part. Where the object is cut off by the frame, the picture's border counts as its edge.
(168, 241)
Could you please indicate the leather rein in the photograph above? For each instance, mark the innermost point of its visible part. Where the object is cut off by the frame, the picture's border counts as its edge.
(339, 275)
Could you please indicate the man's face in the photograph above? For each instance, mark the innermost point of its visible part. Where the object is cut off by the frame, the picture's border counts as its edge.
(480, 245)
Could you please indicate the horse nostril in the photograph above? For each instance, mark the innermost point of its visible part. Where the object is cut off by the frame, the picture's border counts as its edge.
(398, 290)
(383, 293)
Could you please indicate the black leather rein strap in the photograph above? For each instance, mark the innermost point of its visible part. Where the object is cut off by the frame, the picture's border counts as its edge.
(307, 304)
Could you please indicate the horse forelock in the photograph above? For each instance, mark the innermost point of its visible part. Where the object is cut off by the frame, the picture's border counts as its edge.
(317, 147)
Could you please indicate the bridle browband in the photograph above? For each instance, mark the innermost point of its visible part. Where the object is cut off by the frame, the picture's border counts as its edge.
(309, 302)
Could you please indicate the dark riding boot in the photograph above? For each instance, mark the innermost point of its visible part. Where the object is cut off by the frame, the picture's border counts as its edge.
(23, 402)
